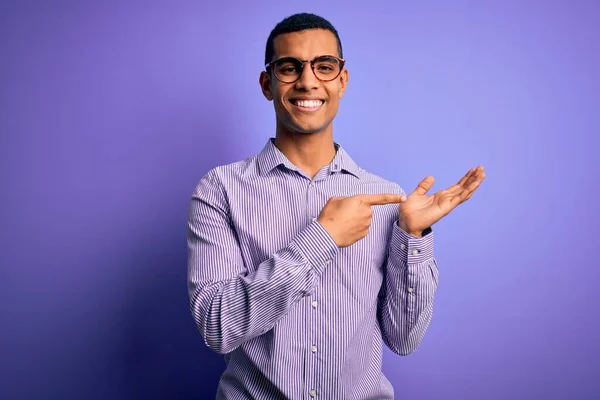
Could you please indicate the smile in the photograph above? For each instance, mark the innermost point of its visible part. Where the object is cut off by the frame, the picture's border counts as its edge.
(307, 105)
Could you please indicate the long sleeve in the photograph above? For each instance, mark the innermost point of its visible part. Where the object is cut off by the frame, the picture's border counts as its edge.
(231, 305)
(407, 294)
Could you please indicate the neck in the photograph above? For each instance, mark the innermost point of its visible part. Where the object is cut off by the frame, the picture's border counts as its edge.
(309, 152)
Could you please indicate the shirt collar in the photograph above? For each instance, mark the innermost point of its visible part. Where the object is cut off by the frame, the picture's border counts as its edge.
(271, 157)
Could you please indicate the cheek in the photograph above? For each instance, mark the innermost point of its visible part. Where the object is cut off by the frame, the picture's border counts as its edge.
(279, 97)
(335, 94)
(280, 105)
(332, 107)
(280, 102)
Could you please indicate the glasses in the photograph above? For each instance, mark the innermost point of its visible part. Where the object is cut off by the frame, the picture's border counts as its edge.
(289, 69)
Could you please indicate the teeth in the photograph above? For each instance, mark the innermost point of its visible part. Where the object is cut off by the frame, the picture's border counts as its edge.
(309, 103)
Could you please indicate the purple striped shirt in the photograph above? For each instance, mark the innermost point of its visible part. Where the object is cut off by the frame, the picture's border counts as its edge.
(296, 316)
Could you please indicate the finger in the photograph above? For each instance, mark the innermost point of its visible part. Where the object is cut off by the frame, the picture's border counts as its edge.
(425, 185)
(464, 179)
(454, 189)
(335, 199)
(381, 199)
(468, 191)
(475, 184)
(473, 173)
(456, 199)
(469, 195)
(476, 176)
(472, 176)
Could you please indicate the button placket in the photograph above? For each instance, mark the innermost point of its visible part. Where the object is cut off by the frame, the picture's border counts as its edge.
(312, 349)
(313, 209)
(410, 290)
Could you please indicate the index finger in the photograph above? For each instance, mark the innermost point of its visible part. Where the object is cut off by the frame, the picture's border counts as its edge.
(381, 199)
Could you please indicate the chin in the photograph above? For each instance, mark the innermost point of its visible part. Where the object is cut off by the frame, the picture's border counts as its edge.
(303, 123)
(307, 130)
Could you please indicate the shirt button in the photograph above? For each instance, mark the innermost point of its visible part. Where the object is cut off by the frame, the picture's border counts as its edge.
(402, 246)
(410, 290)
(415, 252)
(314, 304)
(314, 219)
(313, 349)
(312, 393)
(328, 262)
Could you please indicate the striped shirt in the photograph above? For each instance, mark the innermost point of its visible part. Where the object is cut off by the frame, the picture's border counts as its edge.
(296, 316)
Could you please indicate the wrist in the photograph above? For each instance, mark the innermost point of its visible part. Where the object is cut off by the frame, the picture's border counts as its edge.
(411, 232)
(328, 228)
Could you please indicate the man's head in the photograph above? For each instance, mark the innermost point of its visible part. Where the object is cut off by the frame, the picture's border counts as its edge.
(305, 95)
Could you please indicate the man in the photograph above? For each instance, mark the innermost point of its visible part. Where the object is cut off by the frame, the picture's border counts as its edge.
(301, 263)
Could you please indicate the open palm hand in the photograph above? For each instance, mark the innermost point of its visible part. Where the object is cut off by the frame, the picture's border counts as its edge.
(420, 211)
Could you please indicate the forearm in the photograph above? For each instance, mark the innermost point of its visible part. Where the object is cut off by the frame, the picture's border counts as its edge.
(407, 296)
(232, 310)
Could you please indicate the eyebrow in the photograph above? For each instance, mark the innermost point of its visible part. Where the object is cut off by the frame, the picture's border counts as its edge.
(326, 57)
(287, 58)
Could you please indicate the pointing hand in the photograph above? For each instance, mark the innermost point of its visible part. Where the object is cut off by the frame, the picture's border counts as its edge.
(347, 219)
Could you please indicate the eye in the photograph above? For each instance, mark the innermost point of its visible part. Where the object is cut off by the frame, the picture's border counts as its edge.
(325, 67)
(288, 66)
(288, 69)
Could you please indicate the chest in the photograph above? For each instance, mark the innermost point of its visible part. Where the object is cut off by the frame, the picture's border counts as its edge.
(267, 215)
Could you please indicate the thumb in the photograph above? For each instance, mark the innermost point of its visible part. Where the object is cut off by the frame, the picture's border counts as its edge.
(424, 186)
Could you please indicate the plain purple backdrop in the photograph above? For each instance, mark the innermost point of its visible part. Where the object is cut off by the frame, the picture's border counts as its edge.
(110, 114)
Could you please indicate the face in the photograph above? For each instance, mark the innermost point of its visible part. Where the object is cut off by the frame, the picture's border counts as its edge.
(295, 114)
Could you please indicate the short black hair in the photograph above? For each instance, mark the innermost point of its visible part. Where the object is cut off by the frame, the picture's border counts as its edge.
(296, 23)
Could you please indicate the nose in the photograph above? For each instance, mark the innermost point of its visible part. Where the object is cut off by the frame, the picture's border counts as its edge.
(308, 80)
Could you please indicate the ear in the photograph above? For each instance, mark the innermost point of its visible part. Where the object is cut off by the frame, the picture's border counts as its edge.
(343, 82)
(265, 85)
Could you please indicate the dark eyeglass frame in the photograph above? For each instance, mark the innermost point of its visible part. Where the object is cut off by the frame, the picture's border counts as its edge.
(341, 61)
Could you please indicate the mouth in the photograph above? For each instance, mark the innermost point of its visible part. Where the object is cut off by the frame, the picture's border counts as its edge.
(307, 105)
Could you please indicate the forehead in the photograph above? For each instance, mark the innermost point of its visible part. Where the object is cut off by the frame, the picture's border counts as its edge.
(306, 44)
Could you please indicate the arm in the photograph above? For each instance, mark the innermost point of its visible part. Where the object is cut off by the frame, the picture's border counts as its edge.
(406, 299)
(229, 304)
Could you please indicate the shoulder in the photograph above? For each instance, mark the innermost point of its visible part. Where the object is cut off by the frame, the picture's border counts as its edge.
(222, 177)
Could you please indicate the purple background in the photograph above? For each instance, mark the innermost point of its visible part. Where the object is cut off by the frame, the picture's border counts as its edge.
(110, 114)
